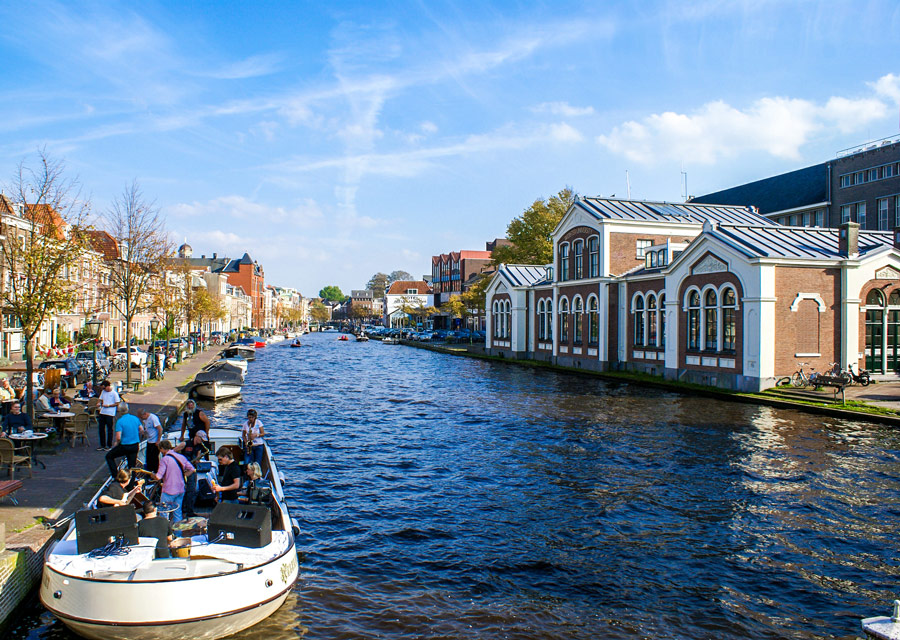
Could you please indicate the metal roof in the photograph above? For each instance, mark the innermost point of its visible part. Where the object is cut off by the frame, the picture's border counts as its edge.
(795, 242)
(523, 275)
(681, 212)
(795, 189)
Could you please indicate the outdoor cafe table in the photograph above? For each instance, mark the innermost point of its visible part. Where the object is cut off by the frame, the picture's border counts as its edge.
(59, 419)
(32, 440)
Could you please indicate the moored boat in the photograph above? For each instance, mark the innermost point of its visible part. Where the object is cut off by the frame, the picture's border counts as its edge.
(236, 361)
(245, 351)
(218, 381)
(220, 587)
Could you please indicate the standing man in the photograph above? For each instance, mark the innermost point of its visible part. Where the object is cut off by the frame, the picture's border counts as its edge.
(151, 427)
(173, 467)
(128, 440)
(196, 423)
(109, 401)
(229, 476)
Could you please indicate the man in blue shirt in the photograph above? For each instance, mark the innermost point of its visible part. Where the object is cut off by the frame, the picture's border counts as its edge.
(126, 441)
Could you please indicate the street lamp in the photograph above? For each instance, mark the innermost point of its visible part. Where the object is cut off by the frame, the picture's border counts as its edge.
(154, 326)
(93, 330)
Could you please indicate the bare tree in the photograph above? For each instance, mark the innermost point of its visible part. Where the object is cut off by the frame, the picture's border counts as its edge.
(42, 238)
(140, 234)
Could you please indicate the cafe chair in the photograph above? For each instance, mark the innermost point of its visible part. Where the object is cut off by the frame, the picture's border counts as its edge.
(11, 456)
(78, 429)
(42, 423)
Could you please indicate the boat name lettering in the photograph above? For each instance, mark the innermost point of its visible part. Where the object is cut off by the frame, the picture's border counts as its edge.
(288, 568)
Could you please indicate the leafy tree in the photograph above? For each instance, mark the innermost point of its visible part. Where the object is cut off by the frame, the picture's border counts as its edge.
(331, 293)
(319, 312)
(399, 275)
(359, 312)
(456, 307)
(378, 283)
(40, 240)
(475, 297)
(530, 232)
(206, 307)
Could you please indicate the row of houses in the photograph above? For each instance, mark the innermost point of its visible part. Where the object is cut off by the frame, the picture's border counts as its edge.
(237, 285)
(711, 290)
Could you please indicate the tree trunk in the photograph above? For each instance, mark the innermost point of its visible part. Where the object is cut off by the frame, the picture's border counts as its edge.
(128, 351)
(29, 371)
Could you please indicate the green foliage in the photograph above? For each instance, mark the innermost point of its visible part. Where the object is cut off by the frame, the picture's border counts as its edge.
(378, 283)
(530, 232)
(319, 312)
(474, 298)
(399, 275)
(332, 293)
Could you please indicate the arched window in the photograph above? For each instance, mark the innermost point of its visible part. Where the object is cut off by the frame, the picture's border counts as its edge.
(693, 325)
(564, 261)
(593, 321)
(564, 320)
(542, 321)
(549, 323)
(662, 319)
(894, 298)
(711, 321)
(729, 325)
(652, 321)
(507, 319)
(578, 314)
(495, 318)
(579, 259)
(875, 298)
(638, 320)
(594, 256)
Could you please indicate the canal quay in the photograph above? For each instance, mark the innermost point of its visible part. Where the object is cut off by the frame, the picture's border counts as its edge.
(447, 497)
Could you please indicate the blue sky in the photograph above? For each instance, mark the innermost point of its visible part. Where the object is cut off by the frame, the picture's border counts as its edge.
(332, 140)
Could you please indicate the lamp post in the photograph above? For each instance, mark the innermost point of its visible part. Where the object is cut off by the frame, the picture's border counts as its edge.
(93, 330)
(154, 326)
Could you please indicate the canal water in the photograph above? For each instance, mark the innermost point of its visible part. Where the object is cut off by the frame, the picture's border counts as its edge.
(443, 497)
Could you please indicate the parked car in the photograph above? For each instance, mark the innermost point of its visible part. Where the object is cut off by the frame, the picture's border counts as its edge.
(137, 358)
(88, 356)
(72, 373)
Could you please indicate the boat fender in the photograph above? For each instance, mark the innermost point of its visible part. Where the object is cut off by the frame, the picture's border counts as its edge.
(295, 526)
(281, 477)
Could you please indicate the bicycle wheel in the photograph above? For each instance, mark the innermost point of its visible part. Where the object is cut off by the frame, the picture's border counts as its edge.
(865, 380)
(63, 385)
(797, 380)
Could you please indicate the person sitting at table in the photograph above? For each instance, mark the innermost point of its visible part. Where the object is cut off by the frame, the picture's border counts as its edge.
(57, 401)
(229, 476)
(152, 526)
(15, 421)
(6, 391)
(127, 439)
(42, 405)
(88, 391)
(116, 493)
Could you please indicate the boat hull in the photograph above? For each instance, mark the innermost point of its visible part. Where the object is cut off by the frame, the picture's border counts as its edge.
(217, 390)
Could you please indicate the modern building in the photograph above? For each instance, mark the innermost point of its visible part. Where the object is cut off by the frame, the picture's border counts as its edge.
(861, 185)
(717, 295)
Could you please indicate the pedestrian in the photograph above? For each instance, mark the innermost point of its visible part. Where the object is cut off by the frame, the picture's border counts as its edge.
(109, 401)
(252, 434)
(152, 429)
(174, 470)
(127, 442)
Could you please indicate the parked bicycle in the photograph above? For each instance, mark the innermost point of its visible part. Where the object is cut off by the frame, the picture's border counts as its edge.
(120, 362)
(801, 378)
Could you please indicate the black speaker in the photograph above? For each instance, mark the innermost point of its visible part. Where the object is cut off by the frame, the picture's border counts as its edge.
(244, 525)
(95, 528)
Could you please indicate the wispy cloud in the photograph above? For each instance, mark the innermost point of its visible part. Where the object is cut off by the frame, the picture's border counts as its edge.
(563, 109)
(242, 209)
(252, 67)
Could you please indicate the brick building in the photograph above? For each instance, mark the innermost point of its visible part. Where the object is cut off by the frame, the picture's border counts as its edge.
(248, 275)
(718, 295)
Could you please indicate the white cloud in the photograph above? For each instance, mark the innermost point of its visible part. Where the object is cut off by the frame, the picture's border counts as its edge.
(888, 87)
(777, 126)
(428, 127)
(563, 109)
(565, 133)
(240, 208)
(252, 67)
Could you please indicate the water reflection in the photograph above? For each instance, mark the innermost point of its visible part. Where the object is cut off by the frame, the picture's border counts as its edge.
(446, 497)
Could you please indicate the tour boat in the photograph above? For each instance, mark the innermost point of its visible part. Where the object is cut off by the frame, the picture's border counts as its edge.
(218, 381)
(216, 589)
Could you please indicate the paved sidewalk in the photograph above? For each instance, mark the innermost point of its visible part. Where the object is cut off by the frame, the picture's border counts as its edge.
(73, 475)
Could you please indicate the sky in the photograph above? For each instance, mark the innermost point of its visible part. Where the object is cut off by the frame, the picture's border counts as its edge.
(334, 140)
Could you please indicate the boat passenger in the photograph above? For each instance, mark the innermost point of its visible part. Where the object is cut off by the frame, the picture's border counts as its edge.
(174, 470)
(257, 490)
(127, 439)
(229, 476)
(252, 434)
(115, 494)
(109, 400)
(196, 423)
(152, 429)
(153, 526)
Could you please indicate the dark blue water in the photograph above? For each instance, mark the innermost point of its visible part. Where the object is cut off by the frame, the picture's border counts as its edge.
(444, 497)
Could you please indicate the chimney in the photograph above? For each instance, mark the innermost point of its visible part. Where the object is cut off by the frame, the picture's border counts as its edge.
(214, 256)
(848, 240)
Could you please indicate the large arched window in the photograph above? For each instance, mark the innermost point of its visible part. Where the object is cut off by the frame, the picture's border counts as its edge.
(711, 321)
(542, 321)
(594, 256)
(549, 323)
(729, 324)
(579, 259)
(564, 320)
(638, 320)
(662, 319)
(507, 316)
(652, 321)
(593, 321)
(693, 324)
(495, 318)
(564, 261)
(577, 315)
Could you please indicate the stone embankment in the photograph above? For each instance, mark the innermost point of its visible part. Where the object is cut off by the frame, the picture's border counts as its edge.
(72, 476)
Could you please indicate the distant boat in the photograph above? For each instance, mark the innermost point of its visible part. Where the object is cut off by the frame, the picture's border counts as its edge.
(296, 343)
(343, 339)
(391, 341)
(362, 337)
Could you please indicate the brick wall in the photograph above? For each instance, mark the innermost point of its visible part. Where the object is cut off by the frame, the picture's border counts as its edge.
(570, 292)
(717, 280)
(643, 286)
(794, 329)
(622, 249)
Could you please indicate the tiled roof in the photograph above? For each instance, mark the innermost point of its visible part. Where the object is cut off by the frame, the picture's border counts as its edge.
(523, 275)
(104, 243)
(795, 242)
(401, 286)
(791, 190)
(680, 212)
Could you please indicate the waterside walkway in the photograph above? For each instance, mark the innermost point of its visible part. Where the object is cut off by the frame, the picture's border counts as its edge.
(72, 476)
